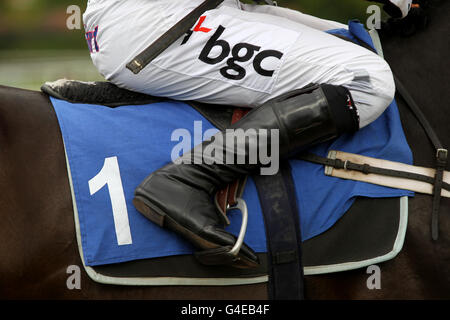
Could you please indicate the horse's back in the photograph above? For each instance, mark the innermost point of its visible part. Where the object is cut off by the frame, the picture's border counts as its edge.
(36, 226)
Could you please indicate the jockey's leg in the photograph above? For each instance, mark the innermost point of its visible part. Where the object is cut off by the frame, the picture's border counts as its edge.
(371, 97)
(179, 196)
(237, 58)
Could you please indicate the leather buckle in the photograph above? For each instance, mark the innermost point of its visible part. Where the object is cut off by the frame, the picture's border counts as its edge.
(442, 154)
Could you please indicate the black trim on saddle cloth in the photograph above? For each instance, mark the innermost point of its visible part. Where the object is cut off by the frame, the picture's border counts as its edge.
(370, 232)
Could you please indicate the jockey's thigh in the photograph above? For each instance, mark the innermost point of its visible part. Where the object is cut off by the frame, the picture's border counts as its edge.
(244, 59)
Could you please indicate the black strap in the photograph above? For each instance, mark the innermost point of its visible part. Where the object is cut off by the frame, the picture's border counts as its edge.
(418, 114)
(281, 220)
(366, 169)
(174, 33)
(441, 155)
(438, 185)
(437, 181)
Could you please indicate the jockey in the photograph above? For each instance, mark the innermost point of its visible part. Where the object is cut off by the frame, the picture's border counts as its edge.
(258, 56)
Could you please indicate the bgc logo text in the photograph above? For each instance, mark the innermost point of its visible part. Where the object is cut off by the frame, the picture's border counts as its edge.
(241, 52)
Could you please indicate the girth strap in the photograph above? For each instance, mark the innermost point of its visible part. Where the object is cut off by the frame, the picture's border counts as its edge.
(281, 220)
(282, 223)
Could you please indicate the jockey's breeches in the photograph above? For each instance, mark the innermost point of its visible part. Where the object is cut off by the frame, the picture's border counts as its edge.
(240, 55)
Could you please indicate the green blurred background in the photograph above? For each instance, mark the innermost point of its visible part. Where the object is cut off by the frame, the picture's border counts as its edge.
(36, 45)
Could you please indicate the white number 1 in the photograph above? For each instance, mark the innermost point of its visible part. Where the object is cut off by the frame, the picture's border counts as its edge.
(110, 175)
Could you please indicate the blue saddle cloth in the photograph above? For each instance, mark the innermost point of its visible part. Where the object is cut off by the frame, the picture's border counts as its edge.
(111, 150)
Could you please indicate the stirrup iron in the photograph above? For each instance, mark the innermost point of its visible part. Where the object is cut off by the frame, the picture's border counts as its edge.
(226, 254)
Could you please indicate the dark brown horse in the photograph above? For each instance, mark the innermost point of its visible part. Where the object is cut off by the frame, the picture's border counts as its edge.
(37, 232)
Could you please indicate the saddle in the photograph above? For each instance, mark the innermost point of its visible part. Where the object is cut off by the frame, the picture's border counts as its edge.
(332, 251)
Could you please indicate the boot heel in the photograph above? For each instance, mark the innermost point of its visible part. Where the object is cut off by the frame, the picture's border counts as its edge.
(144, 207)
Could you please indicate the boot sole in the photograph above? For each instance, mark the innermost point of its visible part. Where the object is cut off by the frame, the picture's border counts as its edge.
(158, 216)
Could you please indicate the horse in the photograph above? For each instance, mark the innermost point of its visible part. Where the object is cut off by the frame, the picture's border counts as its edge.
(37, 231)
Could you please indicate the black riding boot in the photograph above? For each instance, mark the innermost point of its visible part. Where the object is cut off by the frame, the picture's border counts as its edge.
(179, 196)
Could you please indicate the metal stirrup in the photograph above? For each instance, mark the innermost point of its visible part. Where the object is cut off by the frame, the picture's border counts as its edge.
(241, 205)
(227, 255)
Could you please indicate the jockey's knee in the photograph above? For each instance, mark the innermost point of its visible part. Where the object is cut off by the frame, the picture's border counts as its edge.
(385, 82)
(374, 92)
